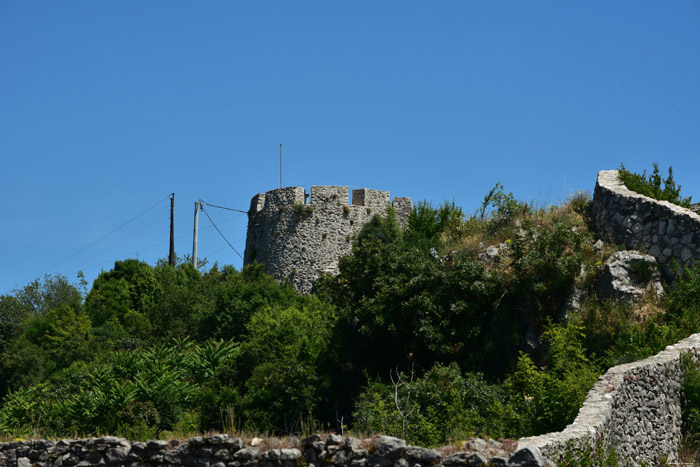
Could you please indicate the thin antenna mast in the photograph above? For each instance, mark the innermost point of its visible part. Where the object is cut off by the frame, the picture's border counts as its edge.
(280, 165)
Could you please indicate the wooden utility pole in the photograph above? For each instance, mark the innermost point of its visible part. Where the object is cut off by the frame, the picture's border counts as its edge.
(171, 256)
(194, 235)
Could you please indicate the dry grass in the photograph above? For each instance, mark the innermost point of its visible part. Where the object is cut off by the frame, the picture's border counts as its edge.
(689, 451)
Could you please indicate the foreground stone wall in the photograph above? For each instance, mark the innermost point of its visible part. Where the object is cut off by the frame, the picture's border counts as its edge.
(298, 239)
(633, 408)
(222, 451)
(662, 229)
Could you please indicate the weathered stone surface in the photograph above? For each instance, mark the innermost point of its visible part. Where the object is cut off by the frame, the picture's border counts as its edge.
(662, 229)
(389, 447)
(234, 444)
(494, 255)
(498, 461)
(456, 459)
(351, 443)
(334, 440)
(426, 456)
(476, 459)
(342, 457)
(528, 456)
(247, 454)
(116, 455)
(156, 444)
(375, 461)
(309, 442)
(217, 439)
(289, 454)
(628, 276)
(297, 239)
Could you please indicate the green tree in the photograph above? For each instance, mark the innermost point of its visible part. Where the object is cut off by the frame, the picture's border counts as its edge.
(282, 356)
(130, 288)
(236, 296)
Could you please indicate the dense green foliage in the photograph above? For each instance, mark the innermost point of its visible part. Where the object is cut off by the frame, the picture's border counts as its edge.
(417, 336)
(651, 185)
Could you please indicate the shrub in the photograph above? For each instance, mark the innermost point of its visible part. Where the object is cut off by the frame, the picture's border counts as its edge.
(651, 186)
(442, 406)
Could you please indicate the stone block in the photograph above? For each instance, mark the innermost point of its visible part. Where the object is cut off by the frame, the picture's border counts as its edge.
(330, 195)
(370, 198)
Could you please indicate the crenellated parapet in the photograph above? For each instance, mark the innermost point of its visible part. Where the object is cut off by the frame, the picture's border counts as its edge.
(298, 236)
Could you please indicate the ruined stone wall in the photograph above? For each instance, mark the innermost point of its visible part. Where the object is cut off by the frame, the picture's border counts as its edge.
(222, 451)
(662, 229)
(634, 408)
(297, 238)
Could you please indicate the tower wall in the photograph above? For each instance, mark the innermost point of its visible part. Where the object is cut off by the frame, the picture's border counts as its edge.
(298, 237)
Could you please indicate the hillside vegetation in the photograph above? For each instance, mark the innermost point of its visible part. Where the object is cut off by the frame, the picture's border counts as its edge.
(426, 333)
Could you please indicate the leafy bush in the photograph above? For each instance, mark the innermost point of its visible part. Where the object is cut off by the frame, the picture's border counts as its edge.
(651, 185)
(427, 223)
(442, 406)
(136, 393)
(281, 361)
(549, 400)
(691, 395)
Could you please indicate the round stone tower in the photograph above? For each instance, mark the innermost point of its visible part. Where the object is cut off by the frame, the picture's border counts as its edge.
(298, 238)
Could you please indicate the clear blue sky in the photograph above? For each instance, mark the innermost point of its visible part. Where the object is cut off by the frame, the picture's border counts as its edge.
(107, 107)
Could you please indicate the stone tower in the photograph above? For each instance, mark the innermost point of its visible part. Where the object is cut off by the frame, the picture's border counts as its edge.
(297, 238)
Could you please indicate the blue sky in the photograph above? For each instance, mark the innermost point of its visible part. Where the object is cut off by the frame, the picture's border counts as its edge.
(108, 107)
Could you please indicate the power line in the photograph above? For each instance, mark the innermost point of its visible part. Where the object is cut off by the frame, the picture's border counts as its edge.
(127, 235)
(132, 254)
(222, 207)
(217, 229)
(90, 245)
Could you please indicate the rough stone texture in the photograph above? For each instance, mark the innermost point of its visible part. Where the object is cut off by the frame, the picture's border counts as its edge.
(493, 255)
(297, 239)
(633, 408)
(629, 275)
(664, 230)
(219, 450)
(388, 446)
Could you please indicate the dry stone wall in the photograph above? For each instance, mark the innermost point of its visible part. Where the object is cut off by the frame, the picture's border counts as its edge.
(634, 409)
(222, 451)
(662, 229)
(297, 239)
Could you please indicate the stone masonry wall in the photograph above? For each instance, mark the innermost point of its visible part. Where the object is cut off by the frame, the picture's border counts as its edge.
(662, 229)
(633, 408)
(222, 451)
(297, 239)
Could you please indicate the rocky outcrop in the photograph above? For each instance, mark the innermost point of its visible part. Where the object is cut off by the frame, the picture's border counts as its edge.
(629, 276)
(494, 255)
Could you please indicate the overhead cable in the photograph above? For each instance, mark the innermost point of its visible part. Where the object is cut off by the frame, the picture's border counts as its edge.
(90, 245)
(217, 229)
(222, 207)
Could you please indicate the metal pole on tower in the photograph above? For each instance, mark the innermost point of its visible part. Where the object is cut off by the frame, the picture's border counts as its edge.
(280, 165)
